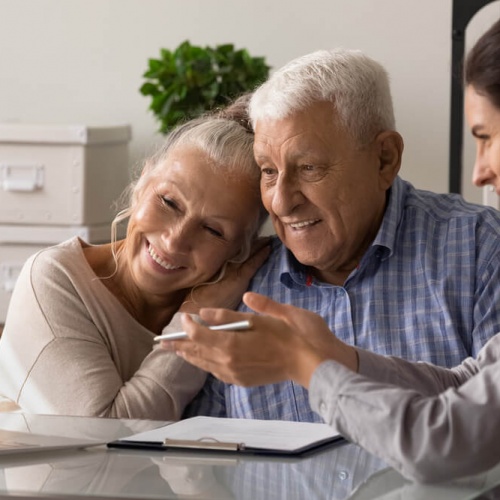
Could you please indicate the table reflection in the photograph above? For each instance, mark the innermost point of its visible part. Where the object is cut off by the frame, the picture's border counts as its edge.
(331, 474)
(389, 485)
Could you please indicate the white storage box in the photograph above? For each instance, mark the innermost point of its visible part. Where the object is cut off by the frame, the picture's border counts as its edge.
(61, 175)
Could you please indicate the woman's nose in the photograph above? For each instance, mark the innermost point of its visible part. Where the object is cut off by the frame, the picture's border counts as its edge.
(177, 238)
(482, 175)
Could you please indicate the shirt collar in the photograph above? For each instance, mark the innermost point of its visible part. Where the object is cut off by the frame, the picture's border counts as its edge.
(385, 241)
(293, 273)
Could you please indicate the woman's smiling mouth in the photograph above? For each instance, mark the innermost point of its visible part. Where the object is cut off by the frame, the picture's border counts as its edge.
(159, 260)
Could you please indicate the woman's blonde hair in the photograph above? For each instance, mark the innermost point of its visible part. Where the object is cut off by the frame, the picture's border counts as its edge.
(229, 147)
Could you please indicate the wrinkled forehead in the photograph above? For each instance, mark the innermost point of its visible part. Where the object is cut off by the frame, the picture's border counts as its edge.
(310, 127)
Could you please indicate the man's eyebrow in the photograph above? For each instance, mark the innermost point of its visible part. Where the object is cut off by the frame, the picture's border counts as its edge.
(261, 156)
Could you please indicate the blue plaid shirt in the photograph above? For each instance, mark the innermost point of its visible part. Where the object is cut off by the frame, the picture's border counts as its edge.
(427, 289)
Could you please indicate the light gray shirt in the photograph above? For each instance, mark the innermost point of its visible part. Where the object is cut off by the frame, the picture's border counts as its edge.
(430, 423)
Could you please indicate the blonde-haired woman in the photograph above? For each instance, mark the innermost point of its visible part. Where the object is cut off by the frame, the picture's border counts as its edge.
(78, 338)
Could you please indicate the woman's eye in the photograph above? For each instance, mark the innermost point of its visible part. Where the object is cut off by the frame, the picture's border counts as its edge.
(480, 136)
(267, 171)
(214, 232)
(168, 202)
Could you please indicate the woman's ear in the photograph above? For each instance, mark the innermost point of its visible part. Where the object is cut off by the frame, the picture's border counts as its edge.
(390, 151)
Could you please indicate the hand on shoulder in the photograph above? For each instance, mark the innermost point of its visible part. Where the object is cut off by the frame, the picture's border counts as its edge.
(228, 291)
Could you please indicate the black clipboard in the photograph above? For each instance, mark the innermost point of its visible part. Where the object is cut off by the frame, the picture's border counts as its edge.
(263, 437)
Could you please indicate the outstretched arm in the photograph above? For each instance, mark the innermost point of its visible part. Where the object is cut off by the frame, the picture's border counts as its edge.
(429, 434)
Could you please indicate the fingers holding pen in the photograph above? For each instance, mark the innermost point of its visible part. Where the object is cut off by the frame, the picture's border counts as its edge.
(239, 357)
(205, 347)
(281, 339)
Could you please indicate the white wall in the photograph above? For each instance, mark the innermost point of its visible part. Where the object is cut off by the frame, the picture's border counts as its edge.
(81, 61)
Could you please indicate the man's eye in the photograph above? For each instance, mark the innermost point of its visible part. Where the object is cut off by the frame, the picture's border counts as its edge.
(307, 167)
(313, 172)
(267, 171)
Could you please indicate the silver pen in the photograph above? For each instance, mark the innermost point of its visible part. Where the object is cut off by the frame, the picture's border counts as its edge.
(238, 325)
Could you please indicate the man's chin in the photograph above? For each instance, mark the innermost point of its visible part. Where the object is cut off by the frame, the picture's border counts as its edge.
(305, 257)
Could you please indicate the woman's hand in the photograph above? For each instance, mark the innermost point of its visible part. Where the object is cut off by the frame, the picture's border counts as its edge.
(227, 292)
(284, 342)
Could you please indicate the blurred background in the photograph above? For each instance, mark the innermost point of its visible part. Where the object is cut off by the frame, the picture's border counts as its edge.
(81, 61)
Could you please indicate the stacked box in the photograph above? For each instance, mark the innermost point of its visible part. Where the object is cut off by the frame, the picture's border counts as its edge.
(56, 181)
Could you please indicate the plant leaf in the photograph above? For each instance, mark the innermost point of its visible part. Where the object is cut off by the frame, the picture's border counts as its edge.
(190, 80)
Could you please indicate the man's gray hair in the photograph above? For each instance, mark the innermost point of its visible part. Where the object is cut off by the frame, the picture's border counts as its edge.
(356, 85)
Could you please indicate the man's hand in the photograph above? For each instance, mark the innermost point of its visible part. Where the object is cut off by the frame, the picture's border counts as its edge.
(284, 342)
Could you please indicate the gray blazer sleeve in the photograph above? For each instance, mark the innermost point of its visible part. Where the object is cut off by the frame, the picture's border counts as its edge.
(430, 423)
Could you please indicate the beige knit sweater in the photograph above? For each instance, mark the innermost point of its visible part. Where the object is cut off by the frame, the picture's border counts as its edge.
(70, 347)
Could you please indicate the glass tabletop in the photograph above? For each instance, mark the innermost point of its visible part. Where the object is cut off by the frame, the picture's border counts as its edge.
(343, 471)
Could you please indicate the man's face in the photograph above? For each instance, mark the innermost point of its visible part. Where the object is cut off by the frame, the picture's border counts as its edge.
(326, 196)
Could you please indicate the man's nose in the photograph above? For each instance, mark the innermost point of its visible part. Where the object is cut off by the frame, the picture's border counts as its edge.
(286, 195)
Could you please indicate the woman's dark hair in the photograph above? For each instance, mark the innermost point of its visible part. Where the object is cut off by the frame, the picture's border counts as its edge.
(482, 66)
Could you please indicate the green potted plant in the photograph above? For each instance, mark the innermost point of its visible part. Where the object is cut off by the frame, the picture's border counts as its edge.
(190, 80)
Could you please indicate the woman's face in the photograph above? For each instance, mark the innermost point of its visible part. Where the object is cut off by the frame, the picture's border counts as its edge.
(484, 121)
(188, 222)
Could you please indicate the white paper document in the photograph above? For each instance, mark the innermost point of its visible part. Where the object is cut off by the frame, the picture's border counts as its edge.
(249, 435)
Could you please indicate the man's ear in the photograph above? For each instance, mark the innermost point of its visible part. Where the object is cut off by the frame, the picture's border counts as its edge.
(390, 147)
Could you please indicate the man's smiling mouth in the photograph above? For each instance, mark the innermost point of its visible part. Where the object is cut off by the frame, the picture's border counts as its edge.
(302, 224)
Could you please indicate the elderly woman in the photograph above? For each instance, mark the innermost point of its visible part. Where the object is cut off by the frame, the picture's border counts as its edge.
(78, 338)
(430, 423)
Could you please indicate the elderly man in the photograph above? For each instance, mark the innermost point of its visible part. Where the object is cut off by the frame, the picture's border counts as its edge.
(390, 268)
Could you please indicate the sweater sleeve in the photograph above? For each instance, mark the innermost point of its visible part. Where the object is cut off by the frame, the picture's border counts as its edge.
(426, 378)
(439, 425)
(70, 348)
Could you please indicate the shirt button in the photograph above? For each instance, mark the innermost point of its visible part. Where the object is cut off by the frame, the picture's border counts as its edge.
(322, 407)
(343, 475)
